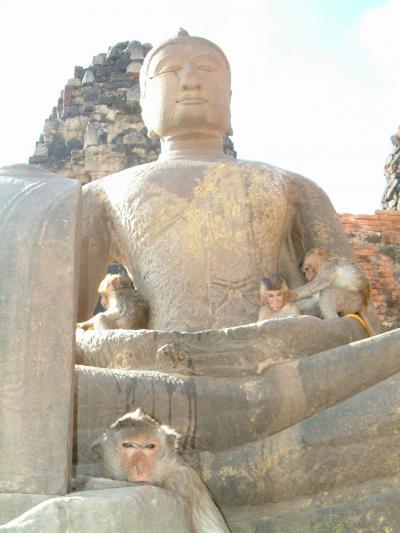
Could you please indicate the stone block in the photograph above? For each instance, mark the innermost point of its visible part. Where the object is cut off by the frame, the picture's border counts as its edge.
(38, 258)
(135, 510)
(88, 78)
(136, 51)
(104, 158)
(133, 95)
(74, 82)
(134, 69)
(99, 59)
(41, 151)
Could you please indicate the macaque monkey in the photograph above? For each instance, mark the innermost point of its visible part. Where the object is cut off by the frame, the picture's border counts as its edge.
(276, 298)
(139, 449)
(342, 285)
(124, 306)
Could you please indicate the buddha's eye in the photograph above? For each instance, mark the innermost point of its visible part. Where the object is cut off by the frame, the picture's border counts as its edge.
(149, 445)
(168, 68)
(206, 67)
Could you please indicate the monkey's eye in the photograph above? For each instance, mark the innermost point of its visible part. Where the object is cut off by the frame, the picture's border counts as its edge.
(149, 445)
(128, 445)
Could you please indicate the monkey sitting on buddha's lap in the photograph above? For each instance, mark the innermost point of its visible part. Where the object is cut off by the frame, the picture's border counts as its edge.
(276, 299)
(342, 285)
(124, 306)
(137, 448)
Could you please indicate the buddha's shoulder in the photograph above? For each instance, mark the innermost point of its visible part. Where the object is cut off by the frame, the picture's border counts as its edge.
(136, 177)
(272, 171)
(119, 180)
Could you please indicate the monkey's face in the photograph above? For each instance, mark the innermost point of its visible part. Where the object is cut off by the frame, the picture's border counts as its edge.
(274, 299)
(138, 454)
(308, 270)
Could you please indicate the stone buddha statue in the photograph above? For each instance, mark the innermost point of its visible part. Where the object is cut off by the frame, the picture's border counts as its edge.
(197, 229)
(293, 426)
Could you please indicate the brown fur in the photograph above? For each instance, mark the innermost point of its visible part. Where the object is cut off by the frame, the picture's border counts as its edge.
(277, 299)
(342, 285)
(124, 306)
(159, 465)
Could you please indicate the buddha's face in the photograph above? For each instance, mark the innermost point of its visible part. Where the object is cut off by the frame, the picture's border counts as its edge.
(187, 91)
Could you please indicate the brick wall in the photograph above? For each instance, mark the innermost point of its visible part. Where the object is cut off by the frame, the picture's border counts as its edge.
(376, 243)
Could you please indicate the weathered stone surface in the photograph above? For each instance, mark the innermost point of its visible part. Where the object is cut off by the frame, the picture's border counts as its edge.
(238, 351)
(88, 78)
(249, 407)
(133, 69)
(391, 197)
(349, 444)
(140, 509)
(38, 254)
(369, 508)
(15, 504)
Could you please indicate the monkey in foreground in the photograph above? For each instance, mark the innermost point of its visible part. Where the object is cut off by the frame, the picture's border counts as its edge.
(124, 306)
(137, 448)
(342, 285)
(276, 298)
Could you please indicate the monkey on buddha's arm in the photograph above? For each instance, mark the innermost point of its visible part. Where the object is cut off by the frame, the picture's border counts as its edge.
(124, 307)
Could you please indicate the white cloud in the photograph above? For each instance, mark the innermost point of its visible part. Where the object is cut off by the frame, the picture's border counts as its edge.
(378, 33)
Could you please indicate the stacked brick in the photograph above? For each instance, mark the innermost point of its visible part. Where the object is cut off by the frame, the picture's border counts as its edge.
(96, 128)
(391, 197)
(376, 243)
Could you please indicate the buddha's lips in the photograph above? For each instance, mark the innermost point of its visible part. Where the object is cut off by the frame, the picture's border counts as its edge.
(191, 100)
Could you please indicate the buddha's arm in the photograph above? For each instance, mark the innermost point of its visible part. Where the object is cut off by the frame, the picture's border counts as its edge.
(95, 249)
(316, 223)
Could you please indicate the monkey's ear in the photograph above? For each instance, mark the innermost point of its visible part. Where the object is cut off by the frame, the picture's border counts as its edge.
(320, 252)
(115, 282)
(256, 295)
(97, 447)
(177, 441)
(174, 439)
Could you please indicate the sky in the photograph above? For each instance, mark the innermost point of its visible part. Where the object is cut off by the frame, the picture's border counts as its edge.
(315, 83)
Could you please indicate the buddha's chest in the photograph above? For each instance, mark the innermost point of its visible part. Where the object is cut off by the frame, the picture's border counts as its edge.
(221, 207)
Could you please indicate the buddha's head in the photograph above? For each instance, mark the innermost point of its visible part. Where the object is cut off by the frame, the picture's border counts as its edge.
(185, 88)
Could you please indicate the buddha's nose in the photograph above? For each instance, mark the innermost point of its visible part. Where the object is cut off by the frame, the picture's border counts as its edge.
(190, 79)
